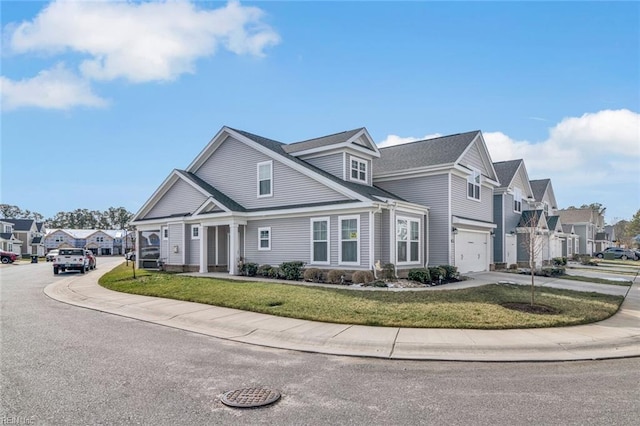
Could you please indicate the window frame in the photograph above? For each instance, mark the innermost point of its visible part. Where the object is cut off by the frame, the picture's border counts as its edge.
(517, 200)
(258, 166)
(260, 239)
(474, 180)
(195, 232)
(341, 240)
(409, 240)
(313, 261)
(359, 161)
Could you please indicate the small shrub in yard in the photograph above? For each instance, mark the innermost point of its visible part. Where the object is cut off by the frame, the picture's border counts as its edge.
(264, 270)
(420, 275)
(336, 276)
(513, 266)
(588, 260)
(291, 270)
(249, 269)
(436, 272)
(378, 283)
(362, 277)
(389, 271)
(313, 275)
(274, 272)
(451, 272)
(559, 261)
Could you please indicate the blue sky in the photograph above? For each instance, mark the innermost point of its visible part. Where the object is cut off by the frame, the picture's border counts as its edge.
(101, 100)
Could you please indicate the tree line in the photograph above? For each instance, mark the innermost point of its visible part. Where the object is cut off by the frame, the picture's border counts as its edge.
(112, 218)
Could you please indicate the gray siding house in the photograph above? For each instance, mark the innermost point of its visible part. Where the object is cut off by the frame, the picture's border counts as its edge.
(455, 177)
(246, 198)
(509, 198)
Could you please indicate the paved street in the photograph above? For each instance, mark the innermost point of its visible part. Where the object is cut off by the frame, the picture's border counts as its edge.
(62, 364)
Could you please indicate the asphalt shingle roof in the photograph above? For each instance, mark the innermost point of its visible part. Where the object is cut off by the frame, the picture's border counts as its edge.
(552, 221)
(530, 217)
(371, 192)
(539, 187)
(334, 139)
(569, 216)
(430, 152)
(224, 199)
(20, 224)
(506, 170)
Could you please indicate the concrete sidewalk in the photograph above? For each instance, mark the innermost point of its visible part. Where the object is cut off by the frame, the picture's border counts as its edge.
(616, 337)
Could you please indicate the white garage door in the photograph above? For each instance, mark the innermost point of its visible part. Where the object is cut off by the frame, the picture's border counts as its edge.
(472, 251)
(510, 249)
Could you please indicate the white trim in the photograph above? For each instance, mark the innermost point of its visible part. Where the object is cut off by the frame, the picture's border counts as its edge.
(193, 229)
(344, 165)
(260, 230)
(408, 240)
(359, 161)
(471, 180)
(164, 233)
(357, 239)
(264, 163)
(326, 219)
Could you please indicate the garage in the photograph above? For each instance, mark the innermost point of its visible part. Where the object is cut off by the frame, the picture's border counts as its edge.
(471, 251)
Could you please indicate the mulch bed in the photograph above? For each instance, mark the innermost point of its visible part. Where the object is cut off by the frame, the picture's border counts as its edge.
(531, 309)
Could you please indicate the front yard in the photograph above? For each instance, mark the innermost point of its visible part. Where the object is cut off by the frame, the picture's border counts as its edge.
(474, 308)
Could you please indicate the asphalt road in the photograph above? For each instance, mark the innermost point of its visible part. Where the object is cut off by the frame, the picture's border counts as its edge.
(61, 364)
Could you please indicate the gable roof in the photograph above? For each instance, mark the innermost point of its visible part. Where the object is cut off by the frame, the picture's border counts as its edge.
(571, 216)
(20, 224)
(539, 187)
(506, 171)
(213, 192)
(553, 222)
(323, 141)
(533, 217)
(429, 152)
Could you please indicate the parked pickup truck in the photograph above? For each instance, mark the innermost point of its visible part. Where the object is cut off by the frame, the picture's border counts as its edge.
(71, 259)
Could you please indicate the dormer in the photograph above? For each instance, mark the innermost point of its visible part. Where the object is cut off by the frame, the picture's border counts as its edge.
(347, 155)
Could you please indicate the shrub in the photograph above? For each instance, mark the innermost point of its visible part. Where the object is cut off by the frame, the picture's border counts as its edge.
(313, 275)
(264, 270)
(389, 271)
(378, 283)
(559, 261)
(436, 272)
(420, 275)
(274, 272)
(513, 266)
(249, 269)
(551, 271)
(450, 271)
(362, 277)
(336, 276)
(291, 270)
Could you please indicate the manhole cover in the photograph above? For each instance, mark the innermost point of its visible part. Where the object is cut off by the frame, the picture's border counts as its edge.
(250, 397)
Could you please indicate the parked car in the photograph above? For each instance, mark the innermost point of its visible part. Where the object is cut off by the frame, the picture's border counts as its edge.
(51, 255)
(92, 259)
(618, 253)
(71, 259)
(7, 256)
(130, 255)
(151, 252)
(637, 252)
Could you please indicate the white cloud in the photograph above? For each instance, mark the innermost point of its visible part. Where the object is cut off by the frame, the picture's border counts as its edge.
(392, 140)
(142, 42)
(57, 88)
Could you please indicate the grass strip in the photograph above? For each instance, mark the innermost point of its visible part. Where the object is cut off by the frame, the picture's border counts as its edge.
(471, 308)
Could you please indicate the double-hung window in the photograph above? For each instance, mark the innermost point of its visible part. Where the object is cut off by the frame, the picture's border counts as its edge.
(320, 240)
(358, 169)
(408, 240)
(473, 185)
(264, 238)
(195, 232)
(265, 179)
(349, 240)
(165, 233)
(517, 200)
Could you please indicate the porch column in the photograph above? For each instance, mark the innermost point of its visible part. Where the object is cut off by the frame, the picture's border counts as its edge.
(233, 248)
(204, 253)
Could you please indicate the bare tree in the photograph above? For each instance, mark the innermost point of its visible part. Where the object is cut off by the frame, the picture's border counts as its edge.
(531, 232)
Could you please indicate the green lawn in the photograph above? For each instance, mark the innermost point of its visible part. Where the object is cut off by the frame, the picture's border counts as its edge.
(478, 307)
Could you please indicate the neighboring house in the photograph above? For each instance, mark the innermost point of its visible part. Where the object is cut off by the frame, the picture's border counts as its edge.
(8, 241)
(544, 199)
(100, 242)
(249, 199)
(587, 223)
(533, 241)
(571, 244)
(455, 177)
(509, 198)
(29, 232)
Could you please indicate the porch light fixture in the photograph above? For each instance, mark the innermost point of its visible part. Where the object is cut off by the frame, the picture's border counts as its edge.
(492, 233)
(513, 231)
(454, 230)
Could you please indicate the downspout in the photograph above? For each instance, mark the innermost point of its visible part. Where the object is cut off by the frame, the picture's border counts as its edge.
(392, 237)
(426, 239)
(372, 238)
